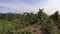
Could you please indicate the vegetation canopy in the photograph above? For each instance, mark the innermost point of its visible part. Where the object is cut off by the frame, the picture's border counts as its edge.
(30, 23)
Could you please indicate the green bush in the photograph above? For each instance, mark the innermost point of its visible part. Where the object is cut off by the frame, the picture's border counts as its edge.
(48, 27)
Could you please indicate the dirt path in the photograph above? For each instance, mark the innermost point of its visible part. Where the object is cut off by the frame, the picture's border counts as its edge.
(35, 28)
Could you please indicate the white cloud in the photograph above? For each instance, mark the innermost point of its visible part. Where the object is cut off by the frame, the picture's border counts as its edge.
(18, 7)
(50, 6)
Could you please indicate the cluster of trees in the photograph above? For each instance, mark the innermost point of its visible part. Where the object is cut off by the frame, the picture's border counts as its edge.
(13, 23)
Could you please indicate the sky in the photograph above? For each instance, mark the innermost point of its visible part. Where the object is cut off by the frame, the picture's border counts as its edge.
(20, 6)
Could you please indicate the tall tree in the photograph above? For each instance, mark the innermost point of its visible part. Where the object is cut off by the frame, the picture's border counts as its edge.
(55, 17)
(41, 15)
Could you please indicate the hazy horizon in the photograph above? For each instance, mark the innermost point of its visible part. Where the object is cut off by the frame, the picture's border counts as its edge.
(20, 6)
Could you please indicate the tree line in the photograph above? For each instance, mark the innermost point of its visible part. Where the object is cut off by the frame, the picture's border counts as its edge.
(50, 24)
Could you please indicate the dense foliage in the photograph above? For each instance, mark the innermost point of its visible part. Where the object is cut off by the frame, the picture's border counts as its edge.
(15, 23)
